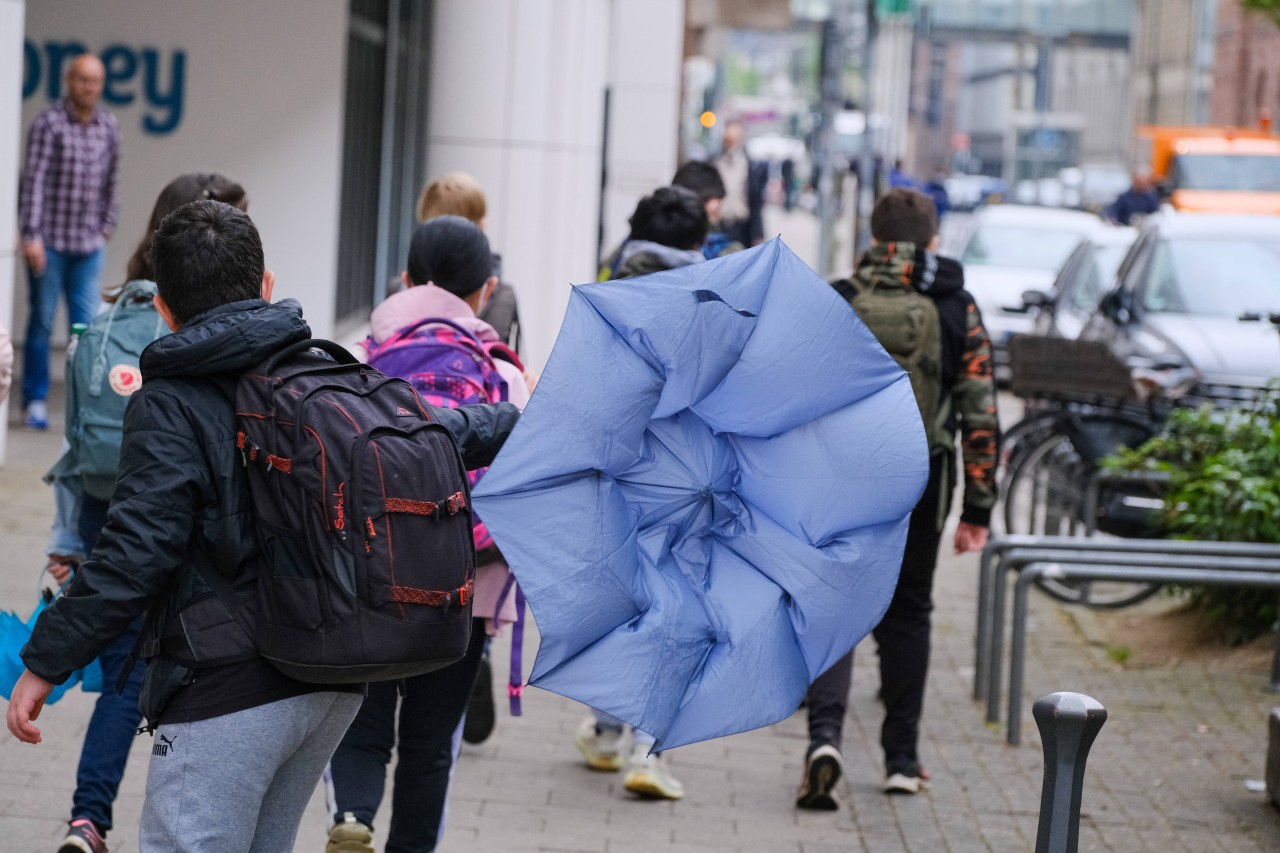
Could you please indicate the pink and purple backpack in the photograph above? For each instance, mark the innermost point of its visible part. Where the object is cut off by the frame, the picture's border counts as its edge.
(450, 367)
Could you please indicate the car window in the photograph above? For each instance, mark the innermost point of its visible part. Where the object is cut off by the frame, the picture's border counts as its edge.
(1222, 276)
(1088, 289)
(1020, 246)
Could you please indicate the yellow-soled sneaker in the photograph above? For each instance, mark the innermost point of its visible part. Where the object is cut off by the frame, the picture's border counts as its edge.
(349, 836)
(601, 748)
(647, 776)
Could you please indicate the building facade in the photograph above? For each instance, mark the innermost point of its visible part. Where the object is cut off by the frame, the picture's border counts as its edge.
(1246, 69)
(332, 113)
(1173, 64)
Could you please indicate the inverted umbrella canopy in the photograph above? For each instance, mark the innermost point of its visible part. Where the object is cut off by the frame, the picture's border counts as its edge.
(706, 499)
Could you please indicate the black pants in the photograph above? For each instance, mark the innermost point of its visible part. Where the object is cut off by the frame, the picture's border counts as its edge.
(430, 710)
(902, 639)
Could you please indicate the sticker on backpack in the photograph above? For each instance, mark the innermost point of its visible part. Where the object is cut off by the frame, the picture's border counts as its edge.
(125, 379)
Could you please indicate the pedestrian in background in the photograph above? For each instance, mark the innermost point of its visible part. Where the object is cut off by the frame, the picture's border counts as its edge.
(68, 206)
(704, 179)
(459, 194)
(80, 473)
(1141, 199)
(900, 286)
(742, 213)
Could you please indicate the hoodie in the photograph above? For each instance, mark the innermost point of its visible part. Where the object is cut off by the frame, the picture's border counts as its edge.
(421, 302)
(969, 393)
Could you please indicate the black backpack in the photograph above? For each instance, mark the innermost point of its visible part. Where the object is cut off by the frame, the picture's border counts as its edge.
(364, 520)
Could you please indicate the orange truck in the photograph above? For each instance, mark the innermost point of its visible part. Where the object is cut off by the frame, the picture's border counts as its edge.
(1207, 169)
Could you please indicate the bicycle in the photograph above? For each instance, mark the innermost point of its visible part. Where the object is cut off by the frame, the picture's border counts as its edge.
(1083, 408)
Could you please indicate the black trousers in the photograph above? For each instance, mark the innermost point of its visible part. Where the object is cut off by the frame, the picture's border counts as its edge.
(430, 711)
(902, 639)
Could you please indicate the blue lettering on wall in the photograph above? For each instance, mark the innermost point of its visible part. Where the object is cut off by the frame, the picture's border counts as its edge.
(142, 76)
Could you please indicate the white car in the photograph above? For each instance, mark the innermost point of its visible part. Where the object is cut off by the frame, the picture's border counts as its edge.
(1012, 249)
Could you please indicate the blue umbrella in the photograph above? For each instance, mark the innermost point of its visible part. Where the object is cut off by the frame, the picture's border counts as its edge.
(706, 499)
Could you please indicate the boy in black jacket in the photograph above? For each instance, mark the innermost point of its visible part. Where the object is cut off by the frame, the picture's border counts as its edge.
(239, 746)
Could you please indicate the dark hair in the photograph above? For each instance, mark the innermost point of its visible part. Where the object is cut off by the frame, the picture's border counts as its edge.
(206, 254)
(905, 216)
(450, 252)
(192, 186)
(702, 178)
(671, 216)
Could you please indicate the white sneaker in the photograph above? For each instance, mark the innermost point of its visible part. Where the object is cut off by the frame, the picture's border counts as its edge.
(37, 415)
(647, 776)
(904, 783)
(601, 748)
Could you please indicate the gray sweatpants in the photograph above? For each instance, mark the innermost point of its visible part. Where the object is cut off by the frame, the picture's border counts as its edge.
(241, 782)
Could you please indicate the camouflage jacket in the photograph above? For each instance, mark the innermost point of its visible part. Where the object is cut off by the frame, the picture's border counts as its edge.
(969, 391)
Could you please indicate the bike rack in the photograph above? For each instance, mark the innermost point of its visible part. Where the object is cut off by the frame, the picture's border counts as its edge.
(1265, 574)
(989, 640)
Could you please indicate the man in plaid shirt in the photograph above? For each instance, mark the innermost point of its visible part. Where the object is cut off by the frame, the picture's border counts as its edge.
(67, 209)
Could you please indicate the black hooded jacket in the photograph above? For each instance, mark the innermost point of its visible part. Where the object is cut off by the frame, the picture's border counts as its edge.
(182, 497)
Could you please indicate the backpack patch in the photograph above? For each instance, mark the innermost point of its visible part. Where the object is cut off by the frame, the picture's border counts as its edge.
(907, 325)
(364, 521)
(104, 373)
(450, 367)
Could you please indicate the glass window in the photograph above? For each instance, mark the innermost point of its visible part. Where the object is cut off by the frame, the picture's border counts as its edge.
(1222, 276)
(1230, 172)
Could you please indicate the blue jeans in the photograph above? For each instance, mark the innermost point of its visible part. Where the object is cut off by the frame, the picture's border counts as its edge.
(74, 275)
(115, 716)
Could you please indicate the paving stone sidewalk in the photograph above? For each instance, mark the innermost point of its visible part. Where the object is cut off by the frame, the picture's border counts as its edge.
(1168, 772)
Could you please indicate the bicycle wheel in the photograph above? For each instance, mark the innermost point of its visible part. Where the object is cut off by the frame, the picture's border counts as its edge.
(1045, 489)
(1045, 497)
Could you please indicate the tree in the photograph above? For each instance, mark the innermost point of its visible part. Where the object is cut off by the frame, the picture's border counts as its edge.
(1270, 8)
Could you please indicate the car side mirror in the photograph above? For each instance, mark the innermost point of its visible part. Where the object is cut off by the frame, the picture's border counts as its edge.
(1116, 307)
(1038, 300)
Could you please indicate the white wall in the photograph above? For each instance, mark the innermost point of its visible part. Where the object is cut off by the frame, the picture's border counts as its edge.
(517, 100)
(264, 85)
(11, 15)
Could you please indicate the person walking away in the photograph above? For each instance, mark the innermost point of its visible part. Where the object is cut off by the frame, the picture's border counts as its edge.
(668, 229)
(742, 214)
(239, 745)
(914, 302)
(101, 380)
(704, 180)
(459, 194)
(67, 209)
(448, 279)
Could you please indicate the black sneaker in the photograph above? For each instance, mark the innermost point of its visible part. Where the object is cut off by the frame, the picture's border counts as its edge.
(83, 837)
(822, 769)
(478, 724)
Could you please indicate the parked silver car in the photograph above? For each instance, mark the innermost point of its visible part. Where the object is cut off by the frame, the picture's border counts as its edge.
(1194, 305)
(1090, 271)
(1014, 248)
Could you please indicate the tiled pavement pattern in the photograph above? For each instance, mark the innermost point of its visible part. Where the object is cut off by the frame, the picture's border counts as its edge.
(1167, 773)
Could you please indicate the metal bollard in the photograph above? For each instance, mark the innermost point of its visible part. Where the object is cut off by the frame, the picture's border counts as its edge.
(1068, 724)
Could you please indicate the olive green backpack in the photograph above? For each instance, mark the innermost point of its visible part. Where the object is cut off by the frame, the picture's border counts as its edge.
(906, 324)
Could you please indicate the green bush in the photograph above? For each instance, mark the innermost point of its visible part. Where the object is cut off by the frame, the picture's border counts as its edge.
(1270, 8)
(1224, 485)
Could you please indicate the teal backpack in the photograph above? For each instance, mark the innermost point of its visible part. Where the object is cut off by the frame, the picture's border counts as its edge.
(103, 374)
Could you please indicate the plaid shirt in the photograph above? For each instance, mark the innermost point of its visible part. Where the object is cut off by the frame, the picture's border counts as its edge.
(68, 195)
